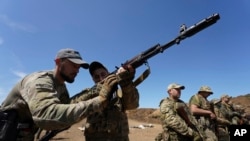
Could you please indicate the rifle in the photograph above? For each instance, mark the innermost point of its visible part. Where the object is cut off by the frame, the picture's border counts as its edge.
(214, 121)
(51, 134)
(142, 58)
(183, 114)
(185, 32)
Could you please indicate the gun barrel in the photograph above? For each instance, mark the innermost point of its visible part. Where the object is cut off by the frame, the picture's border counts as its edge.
(200, 25)
(187, 32)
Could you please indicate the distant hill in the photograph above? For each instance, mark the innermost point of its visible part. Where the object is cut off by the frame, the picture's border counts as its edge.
(151, 115)
(244, 101)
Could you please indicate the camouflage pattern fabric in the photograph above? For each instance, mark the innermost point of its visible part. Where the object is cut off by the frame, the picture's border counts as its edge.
(44, 103)
(175, 128)
(207, 124)
(222, 123)
(229, 113)
(111, 124)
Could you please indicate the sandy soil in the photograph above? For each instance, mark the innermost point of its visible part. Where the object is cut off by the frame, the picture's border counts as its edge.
(136, 134)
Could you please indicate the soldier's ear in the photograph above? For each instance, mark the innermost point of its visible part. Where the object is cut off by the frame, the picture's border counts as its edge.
(57, 61)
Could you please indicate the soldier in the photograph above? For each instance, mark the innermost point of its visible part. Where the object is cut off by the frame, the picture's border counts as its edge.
(222, 122)
(244, 118)
(111, 124)
(228, 110)
(41, 99)
(203, 112)
(177, 122)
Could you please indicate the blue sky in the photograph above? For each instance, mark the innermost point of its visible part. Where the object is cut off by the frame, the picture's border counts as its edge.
(113, 31)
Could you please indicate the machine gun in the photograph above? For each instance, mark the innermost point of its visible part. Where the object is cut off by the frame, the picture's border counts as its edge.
(142, 58)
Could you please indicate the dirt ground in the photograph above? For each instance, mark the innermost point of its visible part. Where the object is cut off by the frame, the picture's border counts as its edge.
(141, 116)
(136, 118)
(136, 134)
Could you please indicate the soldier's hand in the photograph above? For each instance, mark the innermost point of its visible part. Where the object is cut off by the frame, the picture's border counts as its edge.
(107, 86)
(196, 136)
(124, 76)
(212, 115)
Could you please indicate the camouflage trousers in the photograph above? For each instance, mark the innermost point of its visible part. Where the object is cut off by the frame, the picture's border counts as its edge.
(223, 134)
(210, 134)
(171, 136)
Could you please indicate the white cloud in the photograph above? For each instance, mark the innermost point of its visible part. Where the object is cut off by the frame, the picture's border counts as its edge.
(19, 73)
(15, 25)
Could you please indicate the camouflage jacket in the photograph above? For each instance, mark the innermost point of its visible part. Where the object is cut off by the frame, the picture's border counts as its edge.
(222, 121)
(173, 123)
(40, 99)
(203, 103)
(112, 123)
(229, 113)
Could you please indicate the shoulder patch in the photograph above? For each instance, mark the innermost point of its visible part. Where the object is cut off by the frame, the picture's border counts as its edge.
(44, 86)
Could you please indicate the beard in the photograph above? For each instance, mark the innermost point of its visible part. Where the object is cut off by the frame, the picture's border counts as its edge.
(65, 77)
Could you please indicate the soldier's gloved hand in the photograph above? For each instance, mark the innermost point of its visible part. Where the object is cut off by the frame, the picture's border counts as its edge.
(196, 136)
(107, 86)
(125, 77)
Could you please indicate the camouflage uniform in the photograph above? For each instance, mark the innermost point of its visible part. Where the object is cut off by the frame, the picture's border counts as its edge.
(42, 102)
(111, 124)
(231, 114)
(243, 119)
(222, 122)
(207, 124)
(174, 126)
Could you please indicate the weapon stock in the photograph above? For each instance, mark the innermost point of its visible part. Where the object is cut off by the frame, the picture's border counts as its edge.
(185, 32)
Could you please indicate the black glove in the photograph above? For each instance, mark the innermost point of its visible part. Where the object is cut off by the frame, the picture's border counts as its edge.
(108, 84)
(125, 78)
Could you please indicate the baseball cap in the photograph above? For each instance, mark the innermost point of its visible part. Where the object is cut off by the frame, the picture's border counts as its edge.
(96, 65)
(72, 55)
(175, 86)
(206, 89)
(225, 95)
